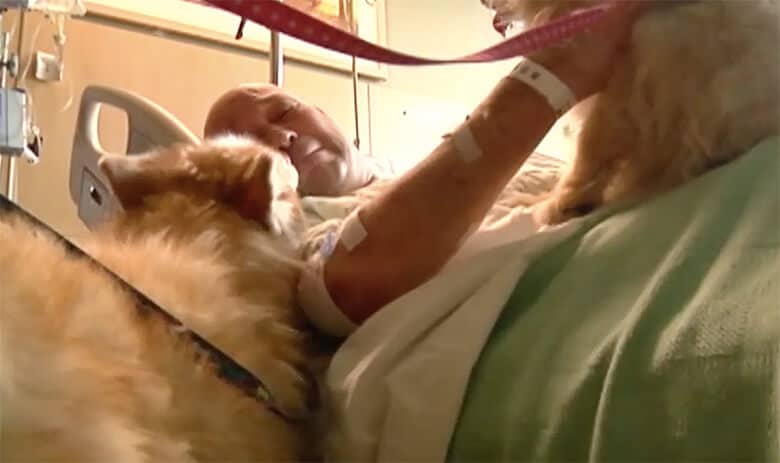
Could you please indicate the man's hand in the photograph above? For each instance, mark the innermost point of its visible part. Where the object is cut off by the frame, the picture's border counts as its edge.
(587, 61)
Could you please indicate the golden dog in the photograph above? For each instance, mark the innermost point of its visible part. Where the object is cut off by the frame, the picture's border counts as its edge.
(699, 87)
(84, 377)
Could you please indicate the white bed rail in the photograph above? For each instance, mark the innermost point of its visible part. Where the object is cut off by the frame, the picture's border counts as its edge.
(148, 125)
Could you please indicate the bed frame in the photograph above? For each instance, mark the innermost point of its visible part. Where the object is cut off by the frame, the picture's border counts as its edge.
(148, 125)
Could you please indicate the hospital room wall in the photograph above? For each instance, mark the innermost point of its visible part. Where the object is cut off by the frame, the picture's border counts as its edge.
(182, 76)
(404, 114)
(423, 103)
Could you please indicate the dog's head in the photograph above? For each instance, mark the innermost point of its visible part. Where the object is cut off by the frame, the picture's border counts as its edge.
(229, 182)
(530, 12)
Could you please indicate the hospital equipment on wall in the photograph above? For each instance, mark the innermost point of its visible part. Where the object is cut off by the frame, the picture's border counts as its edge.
(19, 136)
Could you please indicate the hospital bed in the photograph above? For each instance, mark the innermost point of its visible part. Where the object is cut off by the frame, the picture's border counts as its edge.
(149, 125)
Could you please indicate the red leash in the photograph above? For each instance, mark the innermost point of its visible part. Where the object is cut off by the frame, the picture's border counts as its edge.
(290, 21)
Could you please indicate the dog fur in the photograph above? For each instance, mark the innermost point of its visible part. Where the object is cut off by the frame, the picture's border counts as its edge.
(85, 377)
(699, 87)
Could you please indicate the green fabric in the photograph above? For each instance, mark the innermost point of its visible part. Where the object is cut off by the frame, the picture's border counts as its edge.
(654, 334)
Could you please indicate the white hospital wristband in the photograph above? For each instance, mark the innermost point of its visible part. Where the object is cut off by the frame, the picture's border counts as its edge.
(316, 302)
(557, 93)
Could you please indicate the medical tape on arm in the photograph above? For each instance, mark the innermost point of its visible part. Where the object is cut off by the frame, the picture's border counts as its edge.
(313, 294)
(465, 144)
(352, 231)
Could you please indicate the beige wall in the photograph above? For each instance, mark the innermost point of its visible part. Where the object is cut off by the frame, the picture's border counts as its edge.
(185, 77)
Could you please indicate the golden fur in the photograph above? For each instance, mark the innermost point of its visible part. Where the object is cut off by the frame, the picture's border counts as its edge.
(699, 87)
(85, 378)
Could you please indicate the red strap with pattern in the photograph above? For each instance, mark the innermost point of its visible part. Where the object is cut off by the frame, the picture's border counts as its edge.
(290, 21)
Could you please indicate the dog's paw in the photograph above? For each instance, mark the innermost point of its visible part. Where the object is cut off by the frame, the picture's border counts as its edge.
(546, 212)
(558, 209)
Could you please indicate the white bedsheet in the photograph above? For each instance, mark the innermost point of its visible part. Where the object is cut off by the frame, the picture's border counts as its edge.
(387, 404)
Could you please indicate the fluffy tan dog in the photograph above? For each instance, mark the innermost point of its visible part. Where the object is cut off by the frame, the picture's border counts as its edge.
(85, 378)
(700, 86)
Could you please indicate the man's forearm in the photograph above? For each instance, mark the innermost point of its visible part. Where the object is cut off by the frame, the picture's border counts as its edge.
(419, 223)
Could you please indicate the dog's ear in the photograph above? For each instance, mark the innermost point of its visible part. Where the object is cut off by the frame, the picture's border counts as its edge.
(260, 184)
(134, 177)
(245, 176)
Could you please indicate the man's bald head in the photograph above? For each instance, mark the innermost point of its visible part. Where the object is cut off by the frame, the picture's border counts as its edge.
(225, 115)
(326, 162)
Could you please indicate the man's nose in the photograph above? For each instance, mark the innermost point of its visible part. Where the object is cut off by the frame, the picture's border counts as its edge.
(284, 139)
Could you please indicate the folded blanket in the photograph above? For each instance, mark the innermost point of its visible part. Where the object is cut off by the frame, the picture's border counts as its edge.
(653, 335)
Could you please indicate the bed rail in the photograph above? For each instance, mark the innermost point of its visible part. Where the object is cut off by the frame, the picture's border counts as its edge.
(148, 124)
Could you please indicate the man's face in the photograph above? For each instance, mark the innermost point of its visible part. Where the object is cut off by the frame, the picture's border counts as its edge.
(319, 151)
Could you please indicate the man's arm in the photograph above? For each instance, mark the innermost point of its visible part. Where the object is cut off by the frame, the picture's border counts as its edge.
(417, 225)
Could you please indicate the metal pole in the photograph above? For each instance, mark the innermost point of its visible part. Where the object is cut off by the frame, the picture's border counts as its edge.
(277, 59)
(353, 25)
(10, 180)
(13, 177)
(355, 102)
(9, 162)
(5, 41)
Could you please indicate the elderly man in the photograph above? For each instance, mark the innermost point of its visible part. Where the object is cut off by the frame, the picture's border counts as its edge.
(327, 162)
